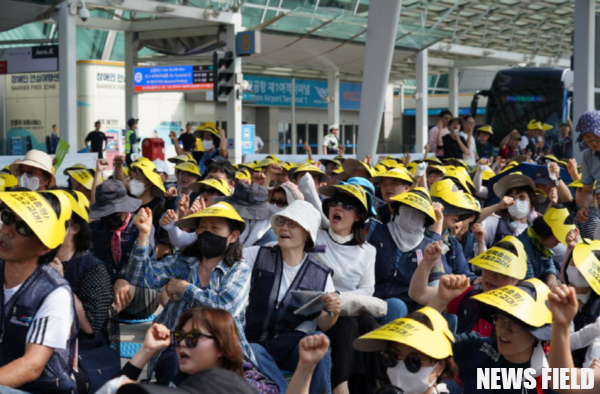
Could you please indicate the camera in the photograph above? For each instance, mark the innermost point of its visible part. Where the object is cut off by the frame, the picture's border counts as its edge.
(84, 13)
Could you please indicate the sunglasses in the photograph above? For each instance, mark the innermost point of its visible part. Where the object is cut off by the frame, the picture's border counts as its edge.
(279, 203)
(344, 207)
(209, 192)
(8, 217)
(190, 338)
(413, 362)
(280, 221)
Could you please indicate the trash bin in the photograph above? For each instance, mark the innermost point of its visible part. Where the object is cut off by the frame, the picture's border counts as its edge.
(153, 148)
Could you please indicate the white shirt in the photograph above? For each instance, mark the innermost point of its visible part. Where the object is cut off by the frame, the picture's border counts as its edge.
(353, 266)
(51, 325)
(289, 272)
(490, 225)
(472, 148)
(258, 143)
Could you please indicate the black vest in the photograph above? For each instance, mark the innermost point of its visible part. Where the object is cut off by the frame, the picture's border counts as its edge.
(266, 317)
(503, 230)
(16, 318)
(468, 311)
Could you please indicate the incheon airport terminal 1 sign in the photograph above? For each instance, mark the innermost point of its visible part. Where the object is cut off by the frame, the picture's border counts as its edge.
(29, 59)
(172, 78)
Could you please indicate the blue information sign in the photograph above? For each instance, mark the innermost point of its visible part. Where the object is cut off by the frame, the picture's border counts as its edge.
(247, 139)
(165, 78)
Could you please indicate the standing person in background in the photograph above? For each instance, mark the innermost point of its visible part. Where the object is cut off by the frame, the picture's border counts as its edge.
(562, 147)
(485, 149)
(442, 127)
(509, 146)
(54, 138)
(258, 144)
(468, 124)
(588, 127)
(331, 142)
(96, 140)
(131, 141)
(214, 145)
(453, 145)
(188, 140)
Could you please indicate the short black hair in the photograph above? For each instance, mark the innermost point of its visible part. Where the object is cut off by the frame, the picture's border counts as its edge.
(223, 166)
(541, 228)
(466, 117)
(445, 112)
(97, 122)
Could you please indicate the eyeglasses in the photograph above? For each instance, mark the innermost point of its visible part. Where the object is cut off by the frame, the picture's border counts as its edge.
(413, 362)
(8, 217)
(345, 207)
(280, 221)
(190, 338)
(592, 141)
(279, 203)
(506, 324)
(30, 172)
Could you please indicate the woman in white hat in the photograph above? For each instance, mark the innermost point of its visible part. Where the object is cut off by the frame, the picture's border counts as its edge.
(34, 171)
(280, 274)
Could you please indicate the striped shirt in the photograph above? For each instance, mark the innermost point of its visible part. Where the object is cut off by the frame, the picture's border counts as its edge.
(587, 228)
(228, 287)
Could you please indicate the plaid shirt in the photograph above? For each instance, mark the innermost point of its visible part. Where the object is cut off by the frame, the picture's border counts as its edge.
(228, 288)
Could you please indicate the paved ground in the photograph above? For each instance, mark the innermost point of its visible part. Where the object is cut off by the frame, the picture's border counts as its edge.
(135, 333)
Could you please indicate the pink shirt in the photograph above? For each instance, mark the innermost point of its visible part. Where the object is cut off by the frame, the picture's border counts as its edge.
(433, 135)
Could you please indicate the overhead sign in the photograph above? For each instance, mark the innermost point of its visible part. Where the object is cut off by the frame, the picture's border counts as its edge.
(310, 93)
(29, 59)
(168, 78)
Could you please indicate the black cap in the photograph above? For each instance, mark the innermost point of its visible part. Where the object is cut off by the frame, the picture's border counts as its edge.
(132, 121)
(211, 381)
(111, 197)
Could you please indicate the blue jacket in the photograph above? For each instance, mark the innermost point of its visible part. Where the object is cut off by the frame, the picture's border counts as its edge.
(538, 265)
(393, 268)
(469, 246)
(456, 258)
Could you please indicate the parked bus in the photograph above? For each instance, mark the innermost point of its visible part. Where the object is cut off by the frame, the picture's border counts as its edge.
(518, 95)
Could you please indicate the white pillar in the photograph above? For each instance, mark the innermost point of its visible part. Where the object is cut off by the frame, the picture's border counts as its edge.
(583, 61)
(379, 48)
(401, 115)
(131, 99)
(234, 101)
(333, 85)
(67, 74)
(293, 109)
(421, 105)
(453, 91)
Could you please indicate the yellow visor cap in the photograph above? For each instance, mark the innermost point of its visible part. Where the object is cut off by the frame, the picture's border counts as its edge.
(179, 158)
(219, 184)
(84, 206)
(244, 174)
(419, 199)
(449, 193)
(502, 262)
(561, 223)
(37, 212)
(77, 205)
(518, 303)
(486, 129)
(77, 166)
(9, 179)
(149, 170)
(586, 259)
(396, 173)
(355, 191)
(83, 177)
(534, 125)
(436, 342)
(218, 210)
(487, 175)
(188, 166)
(433, 159)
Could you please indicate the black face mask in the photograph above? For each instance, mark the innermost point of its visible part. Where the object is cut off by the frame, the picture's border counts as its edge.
(211, 245)
(112, 222)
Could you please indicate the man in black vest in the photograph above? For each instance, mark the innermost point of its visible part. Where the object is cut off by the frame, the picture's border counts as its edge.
(37, 329)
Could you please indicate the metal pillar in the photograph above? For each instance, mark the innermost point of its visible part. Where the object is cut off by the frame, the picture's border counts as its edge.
(234, 101)
(401, 116)
(67, 74)
(294, 131)
(379, 49)
(421, 107)
(453, 91)
(131, 99)
(583, 61)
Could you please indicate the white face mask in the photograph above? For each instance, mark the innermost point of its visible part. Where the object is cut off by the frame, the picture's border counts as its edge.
(136, 187)
(519, 209)
(407, 237)
(207, 144)
(30, 182)
(575, 277)
(410, 383)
